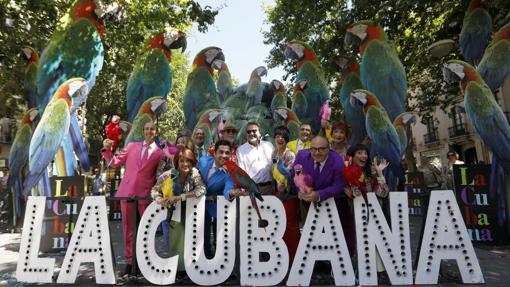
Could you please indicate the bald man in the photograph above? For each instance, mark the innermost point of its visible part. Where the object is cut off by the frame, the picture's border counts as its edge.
(326, 168)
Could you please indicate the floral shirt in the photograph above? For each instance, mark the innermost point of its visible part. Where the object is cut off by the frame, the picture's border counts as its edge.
(193, 183)
(288, 158)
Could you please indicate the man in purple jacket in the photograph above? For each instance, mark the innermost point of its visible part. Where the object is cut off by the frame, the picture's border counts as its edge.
(326, 168)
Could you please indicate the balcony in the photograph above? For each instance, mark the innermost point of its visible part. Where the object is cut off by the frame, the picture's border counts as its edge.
(432, 137)
(457, 131)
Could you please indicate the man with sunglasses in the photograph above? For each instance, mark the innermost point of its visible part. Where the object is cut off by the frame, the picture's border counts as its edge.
(228, 133)
(255, 157)
(326, 168)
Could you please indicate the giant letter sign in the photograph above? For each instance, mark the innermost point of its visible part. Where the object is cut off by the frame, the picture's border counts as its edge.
(322, 239)
(201, 270)
(393, 246)
(155, 269)
(31, 268)
(446, 238)
(90, 243)
(255, 240)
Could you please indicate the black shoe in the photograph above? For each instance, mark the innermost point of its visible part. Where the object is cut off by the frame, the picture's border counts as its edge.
(127, 271)
(382, 278)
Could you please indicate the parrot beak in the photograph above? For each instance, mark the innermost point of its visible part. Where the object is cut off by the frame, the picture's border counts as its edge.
(358, 98)
(261, 71)
(453, 73)
(32, 114)
(294, 51)
(302, 84)
(217, 64)
(175, 39)
(125, 126)
(214, 54)
(78, 89)
(112, 11)
(355, 35)
(276, 84)
(282, 113)
(343, 63)
(159, 106)
(213, 115)
(27, 52)
(409, 118)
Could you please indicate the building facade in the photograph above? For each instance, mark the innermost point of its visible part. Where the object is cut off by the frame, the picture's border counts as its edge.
(435, 135)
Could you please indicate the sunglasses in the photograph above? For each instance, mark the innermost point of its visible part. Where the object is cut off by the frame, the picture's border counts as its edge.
(230, 131)
(252, 131)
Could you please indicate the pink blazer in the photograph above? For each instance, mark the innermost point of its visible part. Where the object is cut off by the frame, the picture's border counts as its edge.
(138, 179)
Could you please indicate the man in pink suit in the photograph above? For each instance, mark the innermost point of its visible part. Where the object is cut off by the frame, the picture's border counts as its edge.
(141, 160)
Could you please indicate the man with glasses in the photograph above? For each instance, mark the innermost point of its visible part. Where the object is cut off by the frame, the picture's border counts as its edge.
(255, 157)
(228, 133)
(326, 168)
(305, 134)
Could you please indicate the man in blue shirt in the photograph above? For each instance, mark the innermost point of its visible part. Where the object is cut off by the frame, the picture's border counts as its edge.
(217, 182)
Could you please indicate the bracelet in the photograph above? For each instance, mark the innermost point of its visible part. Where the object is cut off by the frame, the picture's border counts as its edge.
(183, 197)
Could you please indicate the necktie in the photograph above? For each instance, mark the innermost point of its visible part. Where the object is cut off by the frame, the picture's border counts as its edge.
(317, 171)
(145, 152)
(200, 152)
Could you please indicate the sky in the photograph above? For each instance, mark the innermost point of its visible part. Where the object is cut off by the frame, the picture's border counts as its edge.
(237, 31)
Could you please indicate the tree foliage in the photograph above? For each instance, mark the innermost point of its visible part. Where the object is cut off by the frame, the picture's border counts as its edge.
(32, 22)
(411, 25)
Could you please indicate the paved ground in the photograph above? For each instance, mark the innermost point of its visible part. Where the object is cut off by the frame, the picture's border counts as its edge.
(495, 262)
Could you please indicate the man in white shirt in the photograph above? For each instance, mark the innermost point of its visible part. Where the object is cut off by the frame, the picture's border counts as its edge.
(254, 157)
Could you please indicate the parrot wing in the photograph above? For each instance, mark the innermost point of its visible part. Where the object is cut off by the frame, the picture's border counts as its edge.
(134, 92)
(489, 121)
(353, 114)
(46, 140)
(383, 74)
(79, 146)
(18, 157)
(475, 34)
(224, 84)
(30, 84)
(495, 64)
(153, 78)
(50, 73)
(383, 135)
(200, 89)
(83, 52)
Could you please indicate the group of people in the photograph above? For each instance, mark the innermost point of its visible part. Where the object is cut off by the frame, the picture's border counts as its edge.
(197, 170)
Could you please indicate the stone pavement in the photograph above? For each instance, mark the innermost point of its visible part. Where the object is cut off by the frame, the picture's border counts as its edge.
(495, 262)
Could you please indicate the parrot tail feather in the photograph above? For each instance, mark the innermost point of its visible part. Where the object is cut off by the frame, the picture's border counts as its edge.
(497, 188)
(262, 223)
(78, 144)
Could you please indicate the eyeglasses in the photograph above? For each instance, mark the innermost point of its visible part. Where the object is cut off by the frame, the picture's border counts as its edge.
(230, 131)
(319, 149)
(251, 131)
